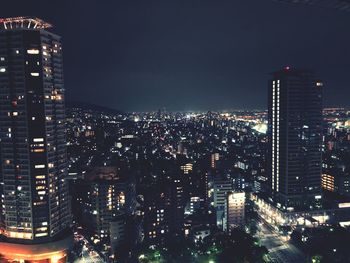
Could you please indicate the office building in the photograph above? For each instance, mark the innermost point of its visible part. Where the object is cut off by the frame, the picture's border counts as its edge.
(221, 188)
(35, 210)
(177, 207)
(295, 138)
(118, 232)
(164, 211)
(186, 168)
(337, 182)
(194, 205)
(110, 195)
(214, 158)
(156, 223)
(235, 210)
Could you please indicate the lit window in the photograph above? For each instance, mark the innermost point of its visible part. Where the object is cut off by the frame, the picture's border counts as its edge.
(41, 229)
(2, 69)
(33, 51)
(38, 139)
(2, 59)
(35, 74)
(21, 235)
(39, 166)
(41, 234)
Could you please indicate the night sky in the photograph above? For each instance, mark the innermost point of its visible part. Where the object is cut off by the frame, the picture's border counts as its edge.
(193, 54)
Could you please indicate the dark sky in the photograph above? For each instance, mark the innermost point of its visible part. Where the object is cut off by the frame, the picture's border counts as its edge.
(191, 54)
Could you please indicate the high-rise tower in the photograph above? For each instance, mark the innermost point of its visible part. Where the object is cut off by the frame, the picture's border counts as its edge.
(295, 138)
(34, 192)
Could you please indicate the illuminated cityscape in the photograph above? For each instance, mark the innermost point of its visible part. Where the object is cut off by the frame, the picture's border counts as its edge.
(165, 133)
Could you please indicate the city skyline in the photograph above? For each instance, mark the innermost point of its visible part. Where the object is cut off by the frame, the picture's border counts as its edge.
(166, 132)
(195, 56)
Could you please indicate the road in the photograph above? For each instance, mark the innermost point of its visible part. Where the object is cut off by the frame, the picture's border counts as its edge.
(89, 255)
(281, 250)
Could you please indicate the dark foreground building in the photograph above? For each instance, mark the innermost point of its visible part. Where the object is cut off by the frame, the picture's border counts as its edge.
(295, 137)
(35, 212)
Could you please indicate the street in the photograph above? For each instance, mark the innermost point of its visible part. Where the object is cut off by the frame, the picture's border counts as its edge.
(88, 254)
(281, 250)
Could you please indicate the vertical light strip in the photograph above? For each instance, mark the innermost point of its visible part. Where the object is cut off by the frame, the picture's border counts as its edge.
(273, 137)
(278, 137)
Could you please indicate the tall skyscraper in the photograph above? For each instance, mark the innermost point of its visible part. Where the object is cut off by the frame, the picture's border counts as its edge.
(35, 212)
(295, 137)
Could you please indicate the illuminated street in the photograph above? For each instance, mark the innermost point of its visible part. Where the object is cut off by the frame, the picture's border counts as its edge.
(89, 255)
(280, 249)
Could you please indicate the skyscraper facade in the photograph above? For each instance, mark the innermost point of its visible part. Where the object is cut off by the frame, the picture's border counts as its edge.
(34, 193)
(295, 138)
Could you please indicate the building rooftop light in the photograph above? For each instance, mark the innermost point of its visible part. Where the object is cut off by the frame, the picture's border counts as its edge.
(23, 22)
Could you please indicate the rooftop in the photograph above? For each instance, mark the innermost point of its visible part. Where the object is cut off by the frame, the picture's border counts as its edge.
(23, 22)
(105, 173)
